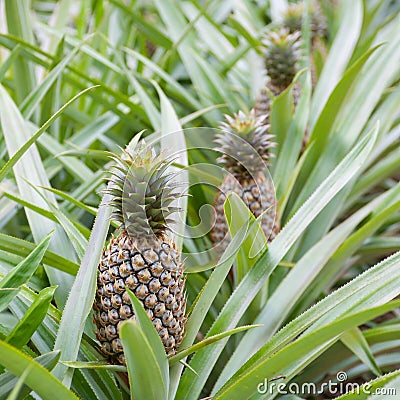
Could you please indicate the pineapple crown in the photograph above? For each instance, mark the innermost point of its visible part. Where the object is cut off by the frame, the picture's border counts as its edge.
(293, 19)
(241, 157)
(143, 191)
(282, 55)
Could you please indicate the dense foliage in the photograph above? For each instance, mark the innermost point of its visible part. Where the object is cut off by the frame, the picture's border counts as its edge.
(81, 79)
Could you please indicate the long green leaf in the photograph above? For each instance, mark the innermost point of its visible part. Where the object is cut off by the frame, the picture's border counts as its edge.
(27, 326)
(22, 273)
(355, 341)
(192, 349)
(81, 296)
(205, 299)
(371, 389)
(244, 385)
(151, 334)
(204, 360)
(22, 248)
(144, 372)
(280, 304)
(20, 141)
(339, 55)
(173, 142)
(39, 379)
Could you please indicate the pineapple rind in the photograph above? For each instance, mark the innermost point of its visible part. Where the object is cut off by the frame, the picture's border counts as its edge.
(258, 194)
(153, 271)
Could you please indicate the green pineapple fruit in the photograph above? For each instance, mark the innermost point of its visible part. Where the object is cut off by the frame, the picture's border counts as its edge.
(282, 55)
(141, 257)
(246, 165)
(293, 20)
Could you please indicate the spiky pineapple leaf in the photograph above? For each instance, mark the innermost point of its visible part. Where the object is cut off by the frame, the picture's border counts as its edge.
(19, 24)
(8, 380)
(365, 290)
(16, 391)
(205, 299)
(81, 296)
(144, 371)
(22, 248)
(22, 149)
(237, 213)
(26, 327)
(204, 360)
(20, 141)
(34, 98)
(356, 342)
(279, 305)
(151, 334)
(43, 382)
(300, 278)
(94, 365)
(285, 165)
(245, 384)
(77, 239)
(174, 143)
(354, 112)
(192, 349)
(9, 61)
(151, 110)
(22, 273)
(389, 205)
(339, 55)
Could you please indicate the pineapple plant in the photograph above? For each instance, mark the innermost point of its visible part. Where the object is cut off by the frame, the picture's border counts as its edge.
(245, 144)
(293, 20)
(311, 298)
(141, 257)
(281, 59)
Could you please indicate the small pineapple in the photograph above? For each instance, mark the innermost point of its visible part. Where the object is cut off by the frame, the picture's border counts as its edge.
(246, 163)
(141, 257)
(293, 20)
(281, 55)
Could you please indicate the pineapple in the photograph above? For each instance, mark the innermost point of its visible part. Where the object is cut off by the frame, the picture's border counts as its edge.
(141, 256)
(282, 54)
(293, 20)
(245, 143)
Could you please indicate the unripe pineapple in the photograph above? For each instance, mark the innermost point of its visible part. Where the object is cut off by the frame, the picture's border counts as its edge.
(281, 55)
(293, 20)
(246, 162)
(141, 257)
